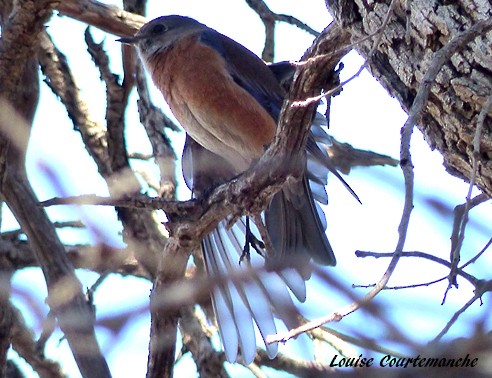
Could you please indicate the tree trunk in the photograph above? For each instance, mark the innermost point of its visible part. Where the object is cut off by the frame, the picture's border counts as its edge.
(415, 32)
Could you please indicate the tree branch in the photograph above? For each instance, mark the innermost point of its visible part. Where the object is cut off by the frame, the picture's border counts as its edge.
(109, 18)
(18, 48)
(269, 19)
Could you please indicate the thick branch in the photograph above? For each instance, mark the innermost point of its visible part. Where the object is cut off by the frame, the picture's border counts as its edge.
(109, 18)
(19, 43)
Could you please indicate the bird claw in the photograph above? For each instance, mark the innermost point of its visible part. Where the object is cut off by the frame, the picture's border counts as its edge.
(251, 241)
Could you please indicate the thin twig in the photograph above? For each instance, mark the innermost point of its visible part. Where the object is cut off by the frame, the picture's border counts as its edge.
(456, 248)
(422, 255)
(14, 234)
(455, 317)
(475, 258)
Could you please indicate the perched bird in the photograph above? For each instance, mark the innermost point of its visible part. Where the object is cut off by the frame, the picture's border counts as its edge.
(228, 101)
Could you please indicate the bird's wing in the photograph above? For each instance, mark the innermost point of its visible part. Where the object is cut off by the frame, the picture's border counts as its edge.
(248, 71)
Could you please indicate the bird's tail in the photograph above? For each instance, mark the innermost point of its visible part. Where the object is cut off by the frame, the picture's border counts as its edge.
(248, 293)
(296, 225)
(294, 219)
(245, 292)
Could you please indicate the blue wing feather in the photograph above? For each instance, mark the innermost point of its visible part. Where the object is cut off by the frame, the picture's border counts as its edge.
(248, 71)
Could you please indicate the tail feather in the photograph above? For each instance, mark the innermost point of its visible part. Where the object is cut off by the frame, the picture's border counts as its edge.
(257, 292)
(319, 192)
(317, 154)
(294, 281)
(238, 302)
(296, 231)
(222, 303)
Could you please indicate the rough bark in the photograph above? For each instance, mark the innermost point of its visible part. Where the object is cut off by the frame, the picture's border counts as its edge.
(416, 30)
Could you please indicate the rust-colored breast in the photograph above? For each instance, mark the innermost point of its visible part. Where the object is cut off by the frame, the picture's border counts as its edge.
(211, 107)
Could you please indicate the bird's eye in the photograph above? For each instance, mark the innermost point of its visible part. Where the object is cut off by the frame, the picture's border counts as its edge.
(159, 28)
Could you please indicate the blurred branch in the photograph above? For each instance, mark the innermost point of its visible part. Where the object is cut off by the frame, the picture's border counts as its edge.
(12, 235)
(23, 343)
(48, 327)
(324, 335)
(188, 209)
(296, 367)
(475, 258)
(256, 370)
(345, 157)
(140, 156)
(209, 362)
(103, 258)
(6, 317)
(164, 320)
(328, 334)
(148, 178)
(154, 122)
(18, 254)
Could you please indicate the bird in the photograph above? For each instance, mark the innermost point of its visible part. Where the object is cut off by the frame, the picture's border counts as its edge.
(228, 101)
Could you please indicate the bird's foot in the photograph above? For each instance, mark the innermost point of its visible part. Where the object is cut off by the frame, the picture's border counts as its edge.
(251, 241)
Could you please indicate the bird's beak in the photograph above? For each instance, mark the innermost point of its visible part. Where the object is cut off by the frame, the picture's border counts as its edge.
(127, 40)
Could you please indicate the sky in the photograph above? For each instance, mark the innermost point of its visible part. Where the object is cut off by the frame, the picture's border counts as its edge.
(364, 115)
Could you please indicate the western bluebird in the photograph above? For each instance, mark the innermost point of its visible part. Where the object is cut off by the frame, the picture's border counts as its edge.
(228, 101)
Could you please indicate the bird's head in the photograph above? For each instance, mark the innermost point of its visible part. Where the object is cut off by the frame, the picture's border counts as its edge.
(161, 33)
